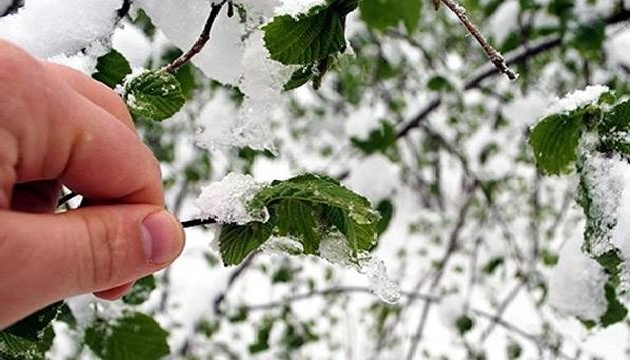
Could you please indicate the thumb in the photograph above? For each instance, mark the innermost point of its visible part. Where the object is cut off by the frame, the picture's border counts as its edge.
(45, 258)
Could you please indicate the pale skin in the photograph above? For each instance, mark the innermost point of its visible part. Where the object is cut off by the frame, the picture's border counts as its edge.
(58, 126)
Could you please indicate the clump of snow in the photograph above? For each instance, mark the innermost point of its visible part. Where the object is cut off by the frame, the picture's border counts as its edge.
(280, 245)
(576, 285)
(48, 28)
(334, 248)
(577, 99)
(380, 283)
(609, 189)
(226, 200)
(236, 55)
(295, 7)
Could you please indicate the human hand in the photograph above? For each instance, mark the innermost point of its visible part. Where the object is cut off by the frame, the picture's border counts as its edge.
(58, 126)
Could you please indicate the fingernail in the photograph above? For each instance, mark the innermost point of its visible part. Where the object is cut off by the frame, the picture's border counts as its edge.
(160, 237)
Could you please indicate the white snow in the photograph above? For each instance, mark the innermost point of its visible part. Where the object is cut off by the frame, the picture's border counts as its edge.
(609, 180)
(133, 44)
(576, 285)
(334, 248)
(48, 28)
(281, 246)
(235, 56)
(577, 99)
(297, 7)
(226, 200)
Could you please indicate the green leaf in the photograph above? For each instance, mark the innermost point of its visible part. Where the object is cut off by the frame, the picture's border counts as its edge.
(514, 350)
(308, 39)
(154, 95)
(386, 209)
(297, 219)
(379, 140)
(134, 337)
(32, 328)
(317, 189)
(614, 130)
(464, 324)
(616, 311)
(238, 241)
(382, 14)
(112, 68)
(303, 208)
(555, 141)
(589, 37)
(140, 291)
(18, 348)
(299, 77)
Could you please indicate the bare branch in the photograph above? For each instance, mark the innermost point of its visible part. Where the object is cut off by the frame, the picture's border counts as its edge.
(495, 57)
(199, 44)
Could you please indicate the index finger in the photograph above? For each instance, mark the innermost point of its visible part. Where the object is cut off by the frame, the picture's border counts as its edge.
(56, 133)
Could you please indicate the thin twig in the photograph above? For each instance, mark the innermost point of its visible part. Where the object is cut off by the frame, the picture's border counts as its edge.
(452, 245)
(199, 44)
(218, 300)
(124, 9)
(197, 222)
(517, 56)
(495, 57)
(66, 198)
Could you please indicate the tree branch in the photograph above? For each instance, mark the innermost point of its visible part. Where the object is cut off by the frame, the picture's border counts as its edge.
(495, 57)
(199, 44)
(517, 56)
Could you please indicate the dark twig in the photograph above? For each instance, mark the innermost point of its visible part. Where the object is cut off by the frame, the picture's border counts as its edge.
(517, 56)
(197, 222)
(66, 198)
(199, 44)
(124, 9)
(495, 57)
(218, 301)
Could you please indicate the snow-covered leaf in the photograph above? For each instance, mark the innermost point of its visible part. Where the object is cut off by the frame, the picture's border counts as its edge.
(154, 95)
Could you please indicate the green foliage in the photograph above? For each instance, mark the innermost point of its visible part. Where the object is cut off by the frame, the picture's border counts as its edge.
(380, 140)
(464, 324)
(112, 68)
(304, 208)
(306, 40)
(32, 328)
(134, 337)
(154, 95)
(555, 141)
(615, 311)
(140, 291)
(614, 130)
(383, 14)
(514, 350)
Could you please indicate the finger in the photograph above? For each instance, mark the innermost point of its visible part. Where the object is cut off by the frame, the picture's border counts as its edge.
(62, 135)
(87, 250)
(115, 293)
(94, 91)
